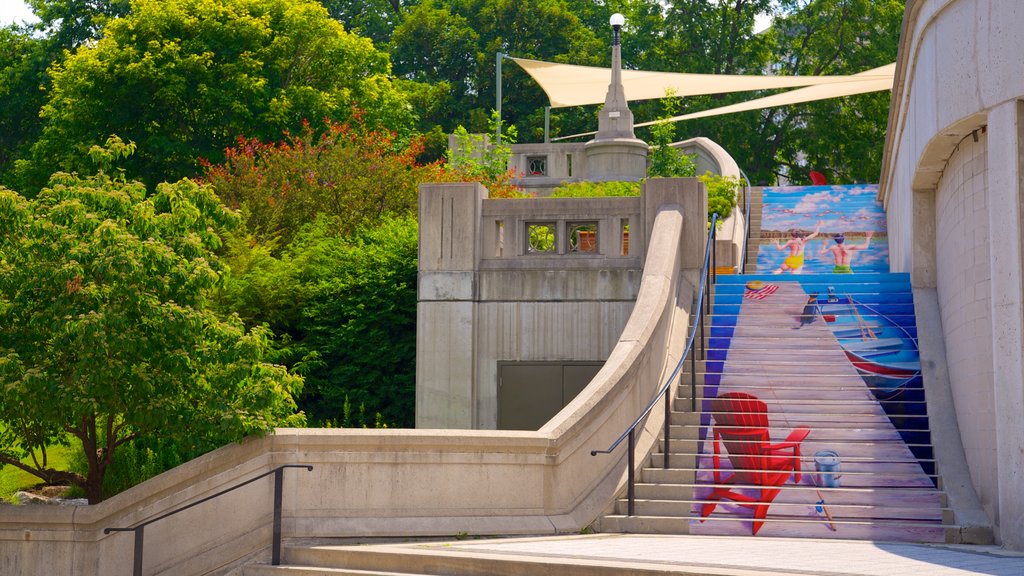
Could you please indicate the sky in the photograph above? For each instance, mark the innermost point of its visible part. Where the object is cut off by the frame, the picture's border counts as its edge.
(14, 11)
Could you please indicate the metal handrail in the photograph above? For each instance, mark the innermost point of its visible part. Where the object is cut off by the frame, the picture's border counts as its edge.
(710, 257)
(278, 473)
(746, 223)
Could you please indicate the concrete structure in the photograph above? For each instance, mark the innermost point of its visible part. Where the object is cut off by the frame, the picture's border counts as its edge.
(488, 293)
(402, 482)
(953, 185)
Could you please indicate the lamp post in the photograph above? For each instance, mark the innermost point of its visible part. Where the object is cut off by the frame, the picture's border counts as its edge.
(615, 153)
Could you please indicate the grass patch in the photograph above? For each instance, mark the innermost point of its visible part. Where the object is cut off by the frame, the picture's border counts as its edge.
(13, 480)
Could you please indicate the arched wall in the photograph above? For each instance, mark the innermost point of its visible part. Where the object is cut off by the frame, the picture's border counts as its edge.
(952, 186)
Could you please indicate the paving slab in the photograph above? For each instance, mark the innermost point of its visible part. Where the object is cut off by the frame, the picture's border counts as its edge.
(724, 555)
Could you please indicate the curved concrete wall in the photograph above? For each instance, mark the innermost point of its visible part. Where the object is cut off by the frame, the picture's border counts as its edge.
(953, 186)
(390, 482)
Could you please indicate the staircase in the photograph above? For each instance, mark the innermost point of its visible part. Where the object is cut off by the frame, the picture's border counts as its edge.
(832, 361)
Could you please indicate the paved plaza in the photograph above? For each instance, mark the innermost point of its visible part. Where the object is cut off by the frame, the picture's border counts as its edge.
(745, 556)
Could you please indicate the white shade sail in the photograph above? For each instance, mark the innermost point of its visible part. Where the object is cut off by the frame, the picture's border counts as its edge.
(571, 85)
(874, 80)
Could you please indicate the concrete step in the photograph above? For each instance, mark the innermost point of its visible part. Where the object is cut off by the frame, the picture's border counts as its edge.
(290, 570)
(897, 531)
(691, 508)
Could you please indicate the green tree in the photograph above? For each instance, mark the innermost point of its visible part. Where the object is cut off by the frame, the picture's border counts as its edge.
(184, 78)
(105, 330)
(69, 23)
(355, 175)
(347, 306)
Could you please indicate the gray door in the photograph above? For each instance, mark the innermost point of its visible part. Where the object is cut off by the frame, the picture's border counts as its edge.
(530, 393)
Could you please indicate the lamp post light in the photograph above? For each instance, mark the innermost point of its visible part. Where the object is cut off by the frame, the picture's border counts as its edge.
(617, 21)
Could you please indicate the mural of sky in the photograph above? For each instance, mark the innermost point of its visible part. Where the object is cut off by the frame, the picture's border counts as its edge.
(851, 210)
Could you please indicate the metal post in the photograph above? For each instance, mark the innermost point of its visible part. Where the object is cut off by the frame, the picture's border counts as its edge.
(703, 353)
(631, 490)
(693, 380)
(497, 95)
(547, 124)
(139, 536)
(275, 558)
(668, 418)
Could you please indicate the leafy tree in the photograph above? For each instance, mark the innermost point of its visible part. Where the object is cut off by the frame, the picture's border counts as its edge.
(348, 309)
(374, 19)
(184, 78)
(105, 330)
(23, 62)
(71, 22)
(664, 160)
(351, 173)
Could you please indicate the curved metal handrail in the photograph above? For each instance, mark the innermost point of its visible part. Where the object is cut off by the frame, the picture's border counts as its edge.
(663, 391)
(278, 473)
(689, 346)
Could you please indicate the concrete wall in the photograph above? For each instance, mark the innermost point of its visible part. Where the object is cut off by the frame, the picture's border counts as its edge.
(395, 482)
(485, 297)
(952, 186)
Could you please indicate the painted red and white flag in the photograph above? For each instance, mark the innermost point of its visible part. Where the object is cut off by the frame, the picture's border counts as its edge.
(762, 292)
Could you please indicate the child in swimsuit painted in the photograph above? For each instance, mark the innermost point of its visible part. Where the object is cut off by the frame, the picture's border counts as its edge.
(794, 263)
(843, 254)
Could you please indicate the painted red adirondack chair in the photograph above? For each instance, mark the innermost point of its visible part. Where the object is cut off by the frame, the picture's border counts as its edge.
(741, 424)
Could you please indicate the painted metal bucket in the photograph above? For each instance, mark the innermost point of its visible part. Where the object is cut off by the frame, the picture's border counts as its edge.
(827, 462)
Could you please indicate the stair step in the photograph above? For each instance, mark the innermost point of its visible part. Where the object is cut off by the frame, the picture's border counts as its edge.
(779, 527)
(930, 512)
(291, 570)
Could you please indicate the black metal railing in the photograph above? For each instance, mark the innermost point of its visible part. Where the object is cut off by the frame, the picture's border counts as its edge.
(278, 473)
(707, 277)
(747, 193)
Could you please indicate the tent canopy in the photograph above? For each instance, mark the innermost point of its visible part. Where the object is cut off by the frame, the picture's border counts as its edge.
(571, 85)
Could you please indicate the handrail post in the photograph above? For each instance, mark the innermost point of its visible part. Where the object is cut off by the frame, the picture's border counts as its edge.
(631, 491)
(668, 419)
(693, 380)
(137, 563)
(275, 557)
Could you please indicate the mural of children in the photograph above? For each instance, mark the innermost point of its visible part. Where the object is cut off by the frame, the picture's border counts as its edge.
(794, 263)
(843, 254)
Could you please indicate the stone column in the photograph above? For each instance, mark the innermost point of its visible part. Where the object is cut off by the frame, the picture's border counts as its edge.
(1006, 196)
(449, 254)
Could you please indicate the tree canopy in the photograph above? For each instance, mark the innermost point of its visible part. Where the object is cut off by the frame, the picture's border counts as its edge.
(184, 78)
(105, 332)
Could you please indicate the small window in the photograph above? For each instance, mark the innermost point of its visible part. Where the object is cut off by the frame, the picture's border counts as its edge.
(625, 236)
(499, 239)
(583, 237)
(536, 165)
(568, 164)
(540, 238)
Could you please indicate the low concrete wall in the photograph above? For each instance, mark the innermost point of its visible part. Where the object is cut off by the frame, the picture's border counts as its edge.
(389, 482)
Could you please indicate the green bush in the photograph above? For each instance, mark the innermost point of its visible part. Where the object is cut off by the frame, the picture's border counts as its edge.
(596, 189)
(721, 194)
(345, 310)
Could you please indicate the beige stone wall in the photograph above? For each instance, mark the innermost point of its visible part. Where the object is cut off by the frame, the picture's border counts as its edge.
(963, 279)
(953, 186)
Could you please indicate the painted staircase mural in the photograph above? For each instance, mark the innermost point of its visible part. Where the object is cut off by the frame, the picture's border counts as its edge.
(813, 421)
(813, 412)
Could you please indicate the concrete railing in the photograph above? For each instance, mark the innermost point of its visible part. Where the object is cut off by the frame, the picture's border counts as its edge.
(391, 482)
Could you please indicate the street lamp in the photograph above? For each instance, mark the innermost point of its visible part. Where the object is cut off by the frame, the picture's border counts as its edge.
(617, 20)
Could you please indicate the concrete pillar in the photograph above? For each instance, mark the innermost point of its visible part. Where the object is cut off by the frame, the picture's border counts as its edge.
(1006, 195)
(923, 228)
(449, 254)
(691, 195)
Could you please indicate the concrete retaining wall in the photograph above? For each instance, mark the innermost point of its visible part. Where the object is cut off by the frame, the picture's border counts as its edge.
(953, 186)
